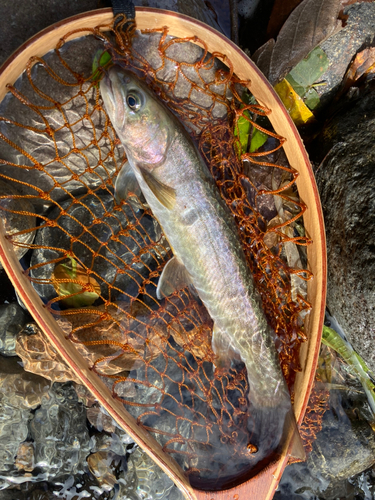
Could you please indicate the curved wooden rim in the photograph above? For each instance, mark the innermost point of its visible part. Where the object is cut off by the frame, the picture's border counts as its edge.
(264, 484)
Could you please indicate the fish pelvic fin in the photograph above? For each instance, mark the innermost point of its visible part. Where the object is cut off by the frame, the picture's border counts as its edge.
(127, 185)
(166, 195)
(173, 277)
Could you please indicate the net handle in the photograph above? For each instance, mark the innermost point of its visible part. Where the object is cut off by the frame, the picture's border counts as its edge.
(264, 484)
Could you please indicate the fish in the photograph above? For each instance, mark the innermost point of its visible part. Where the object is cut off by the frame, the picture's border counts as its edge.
(165, 166)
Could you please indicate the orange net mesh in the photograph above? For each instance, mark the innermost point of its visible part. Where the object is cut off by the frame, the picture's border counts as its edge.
(96, 262)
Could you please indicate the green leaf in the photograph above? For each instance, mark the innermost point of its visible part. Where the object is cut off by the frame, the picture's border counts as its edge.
(311, 98)
(257, 140)
(299, 89)
(310, 69)
(102, 60)
(242, 130)
(73, 292)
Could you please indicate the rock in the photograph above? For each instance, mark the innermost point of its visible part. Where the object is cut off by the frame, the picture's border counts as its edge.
(25, 457)
(342, 449)
(345, 445)
(40, 357)
(103, 465)
(145, 479)
(13, 431)
(19, 227)
(12, 320)
(19, 388)
(346, 182)
(118, 440)
(197, 9)
(342, 47)
(20, 393)
(186, 78)
(59, 431)
(108, 242)
(65, 169)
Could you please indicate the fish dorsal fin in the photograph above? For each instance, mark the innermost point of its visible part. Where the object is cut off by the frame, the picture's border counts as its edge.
(126, 183)
(174, 277)
(165, 194)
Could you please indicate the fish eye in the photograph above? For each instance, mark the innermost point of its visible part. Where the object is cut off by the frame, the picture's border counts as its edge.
(133, 101)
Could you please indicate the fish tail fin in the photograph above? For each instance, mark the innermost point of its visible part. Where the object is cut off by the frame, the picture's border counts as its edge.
(275, 432)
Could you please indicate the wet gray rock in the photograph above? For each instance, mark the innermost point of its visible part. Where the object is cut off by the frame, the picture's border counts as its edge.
(19, 388)
(117, 441)
(12, 320)
(59, 431)
(13, 431)
(343, 448)
(20, 392)
(148, 46)
(145, 479)
(346, 182)
(342, 47)
(20, 24)
(67, 166)
(105, 238)
(19, 227)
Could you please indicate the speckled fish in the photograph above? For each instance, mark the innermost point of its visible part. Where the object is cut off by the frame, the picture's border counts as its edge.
(177, 185)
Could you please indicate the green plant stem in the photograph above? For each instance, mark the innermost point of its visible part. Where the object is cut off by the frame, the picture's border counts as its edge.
(333, 340)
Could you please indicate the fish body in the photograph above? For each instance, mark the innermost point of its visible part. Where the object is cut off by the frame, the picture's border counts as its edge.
(182, 194)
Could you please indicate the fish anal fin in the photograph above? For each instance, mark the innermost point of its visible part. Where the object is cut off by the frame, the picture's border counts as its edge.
(126, 185)
(165, 194)
(174, 277)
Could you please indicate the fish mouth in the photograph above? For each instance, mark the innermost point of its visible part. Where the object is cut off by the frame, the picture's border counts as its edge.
(112, 96)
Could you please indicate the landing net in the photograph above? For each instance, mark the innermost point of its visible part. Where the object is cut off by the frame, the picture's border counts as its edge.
(95, 261)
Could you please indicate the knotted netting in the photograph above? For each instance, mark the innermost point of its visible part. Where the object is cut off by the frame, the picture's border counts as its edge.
(95, 259)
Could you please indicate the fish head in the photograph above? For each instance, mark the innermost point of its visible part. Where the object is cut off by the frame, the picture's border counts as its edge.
(142, 123)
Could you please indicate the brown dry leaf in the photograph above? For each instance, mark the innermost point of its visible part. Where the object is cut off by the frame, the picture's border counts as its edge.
(271, 238)
(280, 12)
(363, 63)
(262, 56)
(311, 22)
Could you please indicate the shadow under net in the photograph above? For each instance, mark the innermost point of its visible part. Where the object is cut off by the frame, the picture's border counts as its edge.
(96, 261)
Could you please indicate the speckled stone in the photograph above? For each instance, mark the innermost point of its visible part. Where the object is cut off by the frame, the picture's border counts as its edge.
(346, 182)
(145, 479)
(342, 47)
(60, 434)
(12, 320)
(20, 392)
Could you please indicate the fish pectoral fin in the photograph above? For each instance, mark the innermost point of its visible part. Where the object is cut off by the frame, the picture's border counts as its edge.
(165, 194)
(127, 184)
(173, 278)
(221, 347)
